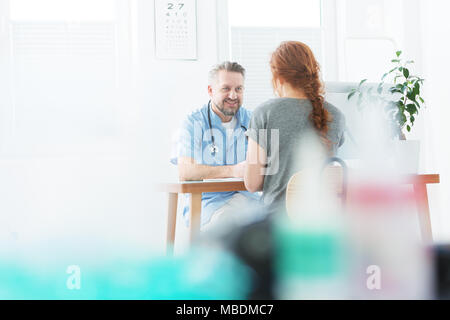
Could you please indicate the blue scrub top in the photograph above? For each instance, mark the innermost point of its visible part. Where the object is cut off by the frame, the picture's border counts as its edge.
(195, 141)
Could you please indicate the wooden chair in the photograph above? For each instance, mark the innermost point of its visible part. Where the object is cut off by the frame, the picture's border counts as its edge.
(333, 177)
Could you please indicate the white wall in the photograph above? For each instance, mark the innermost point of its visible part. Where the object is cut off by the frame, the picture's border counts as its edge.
(96, 197)
(435, 29)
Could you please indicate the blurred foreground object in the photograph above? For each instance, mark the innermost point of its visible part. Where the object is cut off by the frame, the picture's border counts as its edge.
(441, 254)
(369, 249)
(310, 242)
(202, 274)
(389, 259)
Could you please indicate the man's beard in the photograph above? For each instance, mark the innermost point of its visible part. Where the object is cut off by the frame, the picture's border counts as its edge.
(227, 112)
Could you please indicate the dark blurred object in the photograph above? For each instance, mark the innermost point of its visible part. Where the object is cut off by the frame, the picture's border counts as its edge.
(442, 271)
(253, 245)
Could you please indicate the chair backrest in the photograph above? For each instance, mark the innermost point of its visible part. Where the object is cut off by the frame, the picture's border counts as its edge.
(332, 177)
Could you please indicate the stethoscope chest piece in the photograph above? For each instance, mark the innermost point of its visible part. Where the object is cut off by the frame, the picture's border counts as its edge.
(214, 149)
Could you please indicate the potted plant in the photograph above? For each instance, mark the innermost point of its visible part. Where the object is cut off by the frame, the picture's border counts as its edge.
(401, 98)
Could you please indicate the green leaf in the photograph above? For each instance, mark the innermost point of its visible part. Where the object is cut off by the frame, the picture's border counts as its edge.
(401, 118)
(392, 70)
(417, 88)
(408, 128)
(380, 88)
(351, 94)
(421, 100)
(395, 79)
(362, 81)
(405, 89)
(417, 104)
(411, 95)
(411, 108)
(395, 60)
(406, 73)
(395, 90)
(398, 53)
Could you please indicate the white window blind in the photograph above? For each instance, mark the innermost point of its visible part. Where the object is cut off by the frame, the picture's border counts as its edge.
(64, 78)
(34, 39)
(252, 47)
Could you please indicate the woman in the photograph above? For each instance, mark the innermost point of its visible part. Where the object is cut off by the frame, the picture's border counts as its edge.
(299, 110)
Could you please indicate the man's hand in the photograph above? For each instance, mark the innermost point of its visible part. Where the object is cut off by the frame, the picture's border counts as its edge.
(239, 169)
(188, 169)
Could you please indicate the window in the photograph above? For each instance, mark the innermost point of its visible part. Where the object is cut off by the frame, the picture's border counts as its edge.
(280, 13)
(64, 58)
(258, 27)
(62, 10)
(369, 33)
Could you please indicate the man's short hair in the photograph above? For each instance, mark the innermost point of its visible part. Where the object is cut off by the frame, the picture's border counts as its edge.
(227, 66)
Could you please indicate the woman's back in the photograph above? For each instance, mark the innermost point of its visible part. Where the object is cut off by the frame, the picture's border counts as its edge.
(289, 119)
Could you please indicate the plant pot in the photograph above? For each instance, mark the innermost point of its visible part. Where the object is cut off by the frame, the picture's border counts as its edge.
(407, 155)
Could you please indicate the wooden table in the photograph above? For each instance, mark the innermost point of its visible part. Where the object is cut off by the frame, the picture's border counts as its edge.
(419, 183)
(196, 188)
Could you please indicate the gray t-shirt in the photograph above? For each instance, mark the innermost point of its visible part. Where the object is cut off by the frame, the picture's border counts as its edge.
(290, 117)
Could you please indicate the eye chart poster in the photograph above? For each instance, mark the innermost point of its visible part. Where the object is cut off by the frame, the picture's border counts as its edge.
(176, 29)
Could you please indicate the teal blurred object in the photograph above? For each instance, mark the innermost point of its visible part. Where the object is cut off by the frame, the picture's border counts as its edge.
(310, 263)
(309, 255)
(202, 274)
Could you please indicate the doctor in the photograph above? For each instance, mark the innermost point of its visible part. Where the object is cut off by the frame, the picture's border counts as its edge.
(213, 144)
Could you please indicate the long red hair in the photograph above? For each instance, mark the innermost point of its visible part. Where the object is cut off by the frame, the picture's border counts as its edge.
(294, 62)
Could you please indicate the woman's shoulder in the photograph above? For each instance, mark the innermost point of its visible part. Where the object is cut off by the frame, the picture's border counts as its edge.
(337, 114)
(332, 108)
(276, 103)
(264, 109)
(268, 104)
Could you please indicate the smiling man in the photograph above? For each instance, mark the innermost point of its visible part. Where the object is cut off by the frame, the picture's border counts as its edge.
(213, 143)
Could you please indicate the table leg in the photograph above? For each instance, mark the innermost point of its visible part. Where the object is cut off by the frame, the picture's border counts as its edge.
(420, 191)
(171, 222)
(196, 211)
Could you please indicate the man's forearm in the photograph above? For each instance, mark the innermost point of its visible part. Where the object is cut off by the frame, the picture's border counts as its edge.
(190, 171)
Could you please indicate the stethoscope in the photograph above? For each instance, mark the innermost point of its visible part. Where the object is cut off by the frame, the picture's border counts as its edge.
(214, 148)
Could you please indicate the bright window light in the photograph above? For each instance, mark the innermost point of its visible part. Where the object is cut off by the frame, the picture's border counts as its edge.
(274, 13)
(62, 10)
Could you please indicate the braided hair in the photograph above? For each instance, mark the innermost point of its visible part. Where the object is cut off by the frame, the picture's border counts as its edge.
(294, 62)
